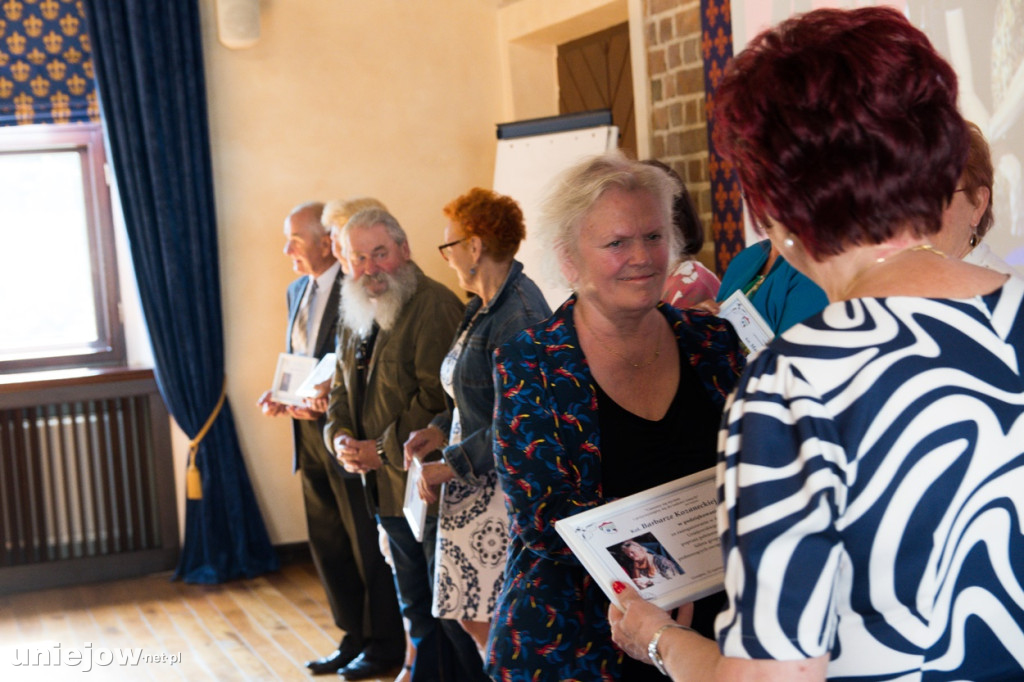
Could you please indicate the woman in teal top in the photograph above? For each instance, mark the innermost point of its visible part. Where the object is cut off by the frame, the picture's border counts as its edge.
(782, 295)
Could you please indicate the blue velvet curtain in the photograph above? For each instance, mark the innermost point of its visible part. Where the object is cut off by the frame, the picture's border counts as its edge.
(149, 68)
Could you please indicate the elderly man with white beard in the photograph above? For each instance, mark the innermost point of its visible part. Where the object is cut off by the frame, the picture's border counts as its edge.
(342, 535)
(396, 327)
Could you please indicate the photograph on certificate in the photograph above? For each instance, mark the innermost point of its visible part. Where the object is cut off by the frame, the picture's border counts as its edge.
(664, 541)
(291, 371)
(645, 561)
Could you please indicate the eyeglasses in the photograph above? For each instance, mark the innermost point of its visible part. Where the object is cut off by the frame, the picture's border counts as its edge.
(444, 247)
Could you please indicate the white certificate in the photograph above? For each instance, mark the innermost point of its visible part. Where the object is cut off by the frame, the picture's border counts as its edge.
(753, 331)
(663, 541)
(291, 371)
(415, 507)
(324, 371)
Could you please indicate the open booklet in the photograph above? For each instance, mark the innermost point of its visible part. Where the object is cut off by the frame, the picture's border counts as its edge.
(324, 371)
(297, 376)
(752, 329)
(291, 371)
(664, 541)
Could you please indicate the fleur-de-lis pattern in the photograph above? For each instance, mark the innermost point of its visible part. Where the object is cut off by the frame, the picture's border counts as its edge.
(726, 200)
(46, 70)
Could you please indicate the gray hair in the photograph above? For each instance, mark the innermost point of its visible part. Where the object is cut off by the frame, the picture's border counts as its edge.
(580, 187)
(368, 217)
(311, 210)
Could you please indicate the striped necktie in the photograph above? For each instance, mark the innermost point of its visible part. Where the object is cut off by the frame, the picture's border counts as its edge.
(301, 327)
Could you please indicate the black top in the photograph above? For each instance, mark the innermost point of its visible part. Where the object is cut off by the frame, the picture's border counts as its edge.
(638, 454)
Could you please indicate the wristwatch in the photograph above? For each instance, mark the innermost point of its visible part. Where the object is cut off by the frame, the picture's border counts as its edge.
(380, 450)
(652, 647)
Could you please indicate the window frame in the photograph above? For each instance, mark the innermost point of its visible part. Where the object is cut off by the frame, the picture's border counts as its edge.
(108, 350)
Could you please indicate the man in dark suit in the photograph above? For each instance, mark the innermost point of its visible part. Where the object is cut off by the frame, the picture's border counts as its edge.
(343, 536)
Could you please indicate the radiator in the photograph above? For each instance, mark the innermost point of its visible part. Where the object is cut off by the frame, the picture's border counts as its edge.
(82, 479)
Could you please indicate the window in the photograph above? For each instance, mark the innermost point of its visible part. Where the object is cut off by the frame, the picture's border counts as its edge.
(58, 272)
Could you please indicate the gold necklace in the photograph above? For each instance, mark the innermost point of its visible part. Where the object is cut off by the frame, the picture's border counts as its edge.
(882, 259)
(635, 365)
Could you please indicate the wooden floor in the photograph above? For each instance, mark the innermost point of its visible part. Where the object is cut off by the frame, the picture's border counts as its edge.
(260, 629)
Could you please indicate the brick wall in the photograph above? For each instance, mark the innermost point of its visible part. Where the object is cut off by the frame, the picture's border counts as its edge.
(678, 123)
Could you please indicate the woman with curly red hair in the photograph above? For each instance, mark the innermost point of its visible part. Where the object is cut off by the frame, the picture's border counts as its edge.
(481, 239)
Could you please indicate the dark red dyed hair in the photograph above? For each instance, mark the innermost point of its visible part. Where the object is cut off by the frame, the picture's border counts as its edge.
(842, 126)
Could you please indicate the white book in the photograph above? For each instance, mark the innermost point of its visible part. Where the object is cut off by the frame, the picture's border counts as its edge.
(324, 371)
(415, 507)
(291, 371)
(673, 525)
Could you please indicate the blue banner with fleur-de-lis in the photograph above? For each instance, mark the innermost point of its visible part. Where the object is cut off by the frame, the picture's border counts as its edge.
(726, 199)
(46, 71)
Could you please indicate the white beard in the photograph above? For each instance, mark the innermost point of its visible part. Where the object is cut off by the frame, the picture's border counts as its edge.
(359, 310)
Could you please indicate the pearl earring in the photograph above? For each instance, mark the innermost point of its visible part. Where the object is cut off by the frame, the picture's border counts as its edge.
(788, 242)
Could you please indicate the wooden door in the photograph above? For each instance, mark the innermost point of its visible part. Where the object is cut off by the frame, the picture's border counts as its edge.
(594, 72)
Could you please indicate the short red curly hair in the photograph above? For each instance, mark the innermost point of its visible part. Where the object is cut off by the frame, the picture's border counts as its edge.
(495, 218)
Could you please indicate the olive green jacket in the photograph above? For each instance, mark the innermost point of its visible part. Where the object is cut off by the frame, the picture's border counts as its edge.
(403, 388)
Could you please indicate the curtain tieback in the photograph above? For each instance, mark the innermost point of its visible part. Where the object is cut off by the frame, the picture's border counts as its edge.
(193, 480)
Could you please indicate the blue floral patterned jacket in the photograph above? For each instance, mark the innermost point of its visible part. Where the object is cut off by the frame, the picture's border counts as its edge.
(551, 620)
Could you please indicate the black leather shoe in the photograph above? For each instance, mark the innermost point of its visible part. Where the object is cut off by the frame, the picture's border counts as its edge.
(363, 668)
(333, 662)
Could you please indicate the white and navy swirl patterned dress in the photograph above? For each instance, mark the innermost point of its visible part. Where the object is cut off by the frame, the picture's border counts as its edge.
(472, 534)
(872, 488)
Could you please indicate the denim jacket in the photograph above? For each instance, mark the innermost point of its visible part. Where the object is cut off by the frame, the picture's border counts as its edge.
(517, 305)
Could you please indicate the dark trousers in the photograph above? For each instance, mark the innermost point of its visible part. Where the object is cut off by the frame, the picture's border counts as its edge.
(444, 651)
(344, 543)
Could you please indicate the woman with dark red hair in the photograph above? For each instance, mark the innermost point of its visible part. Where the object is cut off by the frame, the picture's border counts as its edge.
(872, 465)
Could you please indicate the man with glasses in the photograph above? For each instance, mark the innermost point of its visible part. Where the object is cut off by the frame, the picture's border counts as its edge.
(342, 534)
(397, 325)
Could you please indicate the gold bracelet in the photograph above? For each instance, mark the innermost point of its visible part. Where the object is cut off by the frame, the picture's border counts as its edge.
(652, 647)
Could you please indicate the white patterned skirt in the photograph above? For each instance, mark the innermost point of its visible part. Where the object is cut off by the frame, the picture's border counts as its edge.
(471, 540)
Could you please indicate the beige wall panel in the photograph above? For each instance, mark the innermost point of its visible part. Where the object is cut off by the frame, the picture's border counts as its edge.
(389, 98)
